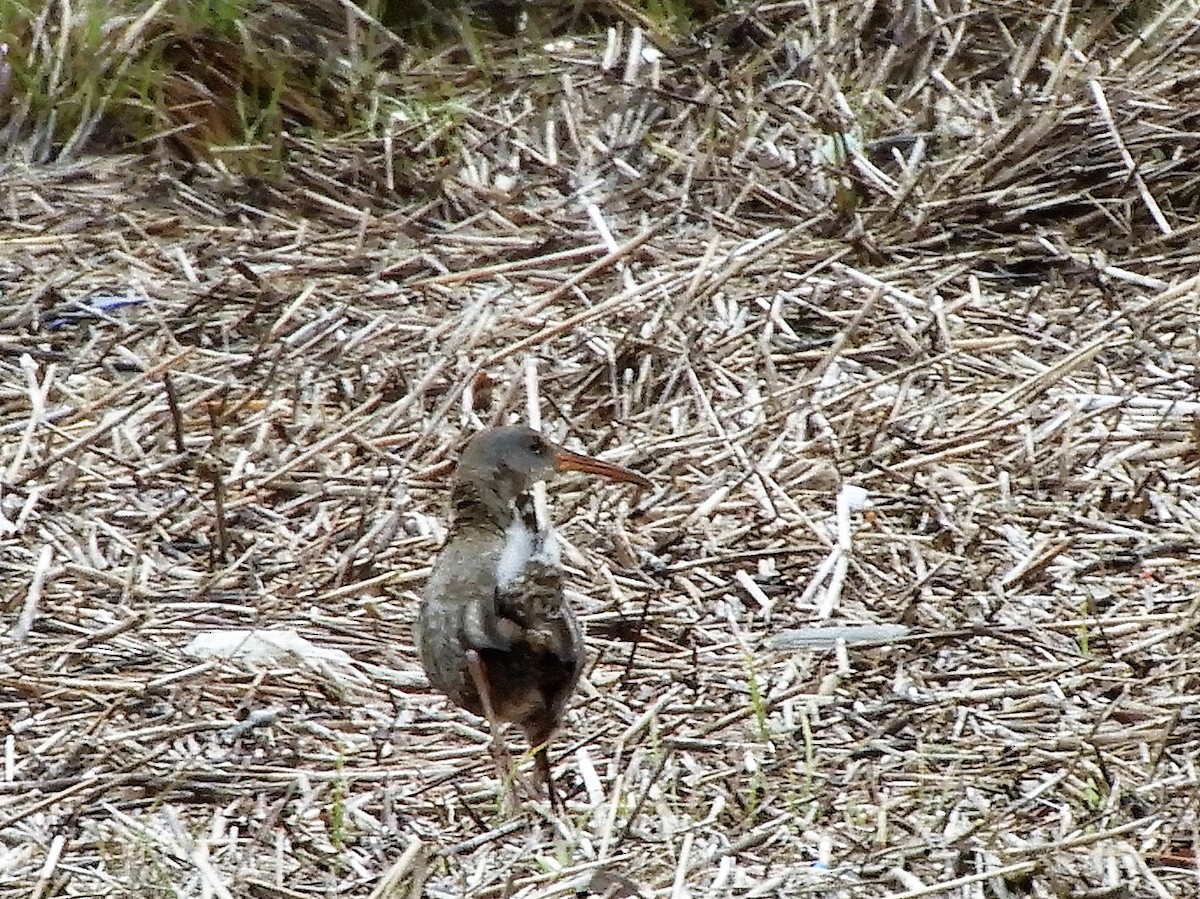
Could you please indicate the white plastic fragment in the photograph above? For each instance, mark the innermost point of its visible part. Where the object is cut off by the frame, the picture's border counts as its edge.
(857, 497)
(246, 645)
(826, 637)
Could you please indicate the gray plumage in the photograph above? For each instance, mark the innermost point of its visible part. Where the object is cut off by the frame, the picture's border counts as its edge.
(496, 589)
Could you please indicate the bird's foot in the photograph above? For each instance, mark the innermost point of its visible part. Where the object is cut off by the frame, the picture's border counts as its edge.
(507, 634)
(544, 640)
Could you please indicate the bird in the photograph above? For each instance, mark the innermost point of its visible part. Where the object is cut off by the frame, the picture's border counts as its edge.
(495, 632)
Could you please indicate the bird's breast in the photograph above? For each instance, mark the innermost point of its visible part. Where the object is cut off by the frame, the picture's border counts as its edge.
(525, 548)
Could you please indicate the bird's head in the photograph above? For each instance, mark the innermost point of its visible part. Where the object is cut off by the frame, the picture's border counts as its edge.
(507, 462)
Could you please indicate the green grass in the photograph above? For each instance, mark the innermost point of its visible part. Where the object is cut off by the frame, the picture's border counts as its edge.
(758, 702)
(198, 78)
(221, 17)
(337, 812)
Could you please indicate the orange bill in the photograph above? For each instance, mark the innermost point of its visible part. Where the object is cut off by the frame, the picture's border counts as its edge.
(565, 460)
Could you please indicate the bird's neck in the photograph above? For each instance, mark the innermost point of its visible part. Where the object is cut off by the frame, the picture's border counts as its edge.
(476, 506)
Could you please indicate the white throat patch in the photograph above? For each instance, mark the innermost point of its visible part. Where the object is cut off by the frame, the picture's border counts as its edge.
(521, 547)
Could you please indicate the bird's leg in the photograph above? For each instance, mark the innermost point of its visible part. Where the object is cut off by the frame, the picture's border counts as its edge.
(504, 762)
(539, 739)
(541, 764)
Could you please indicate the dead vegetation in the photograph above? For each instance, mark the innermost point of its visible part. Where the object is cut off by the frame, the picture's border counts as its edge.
(947, 257)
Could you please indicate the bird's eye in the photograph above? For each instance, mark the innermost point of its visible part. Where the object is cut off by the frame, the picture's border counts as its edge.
(537, 446)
